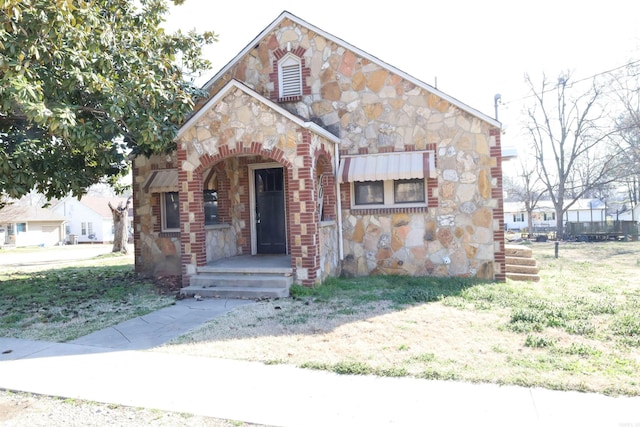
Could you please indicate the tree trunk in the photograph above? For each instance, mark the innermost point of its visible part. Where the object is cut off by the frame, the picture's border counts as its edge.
(530, 223)
(120, 221)
(559, 224)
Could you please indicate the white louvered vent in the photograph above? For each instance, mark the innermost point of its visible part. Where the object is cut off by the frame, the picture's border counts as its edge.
(290, 77)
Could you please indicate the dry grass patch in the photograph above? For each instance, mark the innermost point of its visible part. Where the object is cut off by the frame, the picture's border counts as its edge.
(577, 329)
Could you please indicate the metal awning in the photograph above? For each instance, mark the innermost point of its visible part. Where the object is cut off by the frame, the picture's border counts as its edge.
(161, 181)
(387, 166)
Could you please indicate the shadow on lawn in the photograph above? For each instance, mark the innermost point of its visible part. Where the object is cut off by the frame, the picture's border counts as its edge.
(336, 302)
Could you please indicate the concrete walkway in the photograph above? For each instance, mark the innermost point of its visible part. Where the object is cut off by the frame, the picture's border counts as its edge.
(111, 366)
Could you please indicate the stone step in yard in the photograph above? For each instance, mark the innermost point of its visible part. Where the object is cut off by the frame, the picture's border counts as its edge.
(520, 264)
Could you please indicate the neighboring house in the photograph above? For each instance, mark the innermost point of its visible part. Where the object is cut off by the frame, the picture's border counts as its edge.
(629, 215)
(30, 226)
(89, 220)
(311, 148)
(544, 214)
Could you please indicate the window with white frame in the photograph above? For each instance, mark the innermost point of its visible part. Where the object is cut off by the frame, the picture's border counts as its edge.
(170, 211)
(290, 76)
(83, 228)
(388, 193)
(518, 217)
(408, 191)
(549, 216)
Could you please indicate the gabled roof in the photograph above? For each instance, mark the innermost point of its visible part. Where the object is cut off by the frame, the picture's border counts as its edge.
(100, 205)
(233, 85)
(15, 214)
(286, 15)
(547, 206)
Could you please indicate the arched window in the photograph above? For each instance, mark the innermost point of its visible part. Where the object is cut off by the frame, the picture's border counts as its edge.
(290, 76)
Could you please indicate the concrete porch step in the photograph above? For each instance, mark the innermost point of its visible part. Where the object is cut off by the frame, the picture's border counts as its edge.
(209, 280)
(239, 292)
(245, 270)
(243, 276)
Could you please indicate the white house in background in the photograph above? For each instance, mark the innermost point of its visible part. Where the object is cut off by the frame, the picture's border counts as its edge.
(89, 219)
(629, 215)
(30, 226)
(544, 215)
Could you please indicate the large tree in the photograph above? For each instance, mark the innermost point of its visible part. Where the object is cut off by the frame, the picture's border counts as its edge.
(570, 133)
(86, 84)
(626, 93)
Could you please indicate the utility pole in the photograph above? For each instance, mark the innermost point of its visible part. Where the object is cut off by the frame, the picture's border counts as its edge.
(496, 101)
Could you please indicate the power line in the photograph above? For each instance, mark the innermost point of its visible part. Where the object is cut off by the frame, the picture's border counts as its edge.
(575, 81)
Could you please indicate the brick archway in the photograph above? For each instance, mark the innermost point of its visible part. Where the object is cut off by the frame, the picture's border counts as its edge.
(301, 206)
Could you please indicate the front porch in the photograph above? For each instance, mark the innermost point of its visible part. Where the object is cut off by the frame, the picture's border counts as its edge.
(242, 276)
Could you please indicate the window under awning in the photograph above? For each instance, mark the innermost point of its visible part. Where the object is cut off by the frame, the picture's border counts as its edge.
(161, 181)
(387, 166)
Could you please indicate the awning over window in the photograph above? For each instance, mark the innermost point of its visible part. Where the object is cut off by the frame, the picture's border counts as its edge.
(161, 181)
(387, 166)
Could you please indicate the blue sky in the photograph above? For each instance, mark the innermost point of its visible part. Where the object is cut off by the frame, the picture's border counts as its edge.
(473, 49)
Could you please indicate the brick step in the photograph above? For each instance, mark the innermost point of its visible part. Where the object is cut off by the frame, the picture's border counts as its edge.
(511, 260)
(523, 277)
(239, 292)
(518, 251)
(524, 269)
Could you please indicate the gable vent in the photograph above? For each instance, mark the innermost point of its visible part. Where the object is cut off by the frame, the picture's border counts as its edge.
(291, 80)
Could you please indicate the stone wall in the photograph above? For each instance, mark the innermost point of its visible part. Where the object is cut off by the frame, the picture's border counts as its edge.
(329, 256)
(236, 128)
(156, 253)
(221, 242)
(374, 110)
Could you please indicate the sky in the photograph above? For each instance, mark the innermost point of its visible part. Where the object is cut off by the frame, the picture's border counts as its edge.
(469, 49)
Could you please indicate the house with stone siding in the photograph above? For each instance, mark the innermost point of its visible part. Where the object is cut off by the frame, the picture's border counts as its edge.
(311, 158)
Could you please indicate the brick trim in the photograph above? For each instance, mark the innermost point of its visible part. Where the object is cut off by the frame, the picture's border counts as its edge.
(496, 192)
(383, 211)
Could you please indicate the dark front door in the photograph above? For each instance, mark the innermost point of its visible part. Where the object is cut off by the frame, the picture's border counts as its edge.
(270, 224)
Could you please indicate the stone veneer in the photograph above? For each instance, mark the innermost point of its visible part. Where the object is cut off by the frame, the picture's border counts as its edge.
(221, 242)
(372, 110)
(329, 256)
(156, 253)
(239, 125)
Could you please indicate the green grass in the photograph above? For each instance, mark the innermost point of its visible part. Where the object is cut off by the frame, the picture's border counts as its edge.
(401, 290)
(576, 329)
(63, 304)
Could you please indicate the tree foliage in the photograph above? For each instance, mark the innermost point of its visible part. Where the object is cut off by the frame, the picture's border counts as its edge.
(85, 84)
